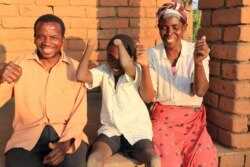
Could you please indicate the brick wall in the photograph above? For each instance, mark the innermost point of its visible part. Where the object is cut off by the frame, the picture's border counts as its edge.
(227, 26)
(98, 19)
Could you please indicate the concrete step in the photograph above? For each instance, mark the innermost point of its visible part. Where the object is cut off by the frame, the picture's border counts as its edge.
(118, 160)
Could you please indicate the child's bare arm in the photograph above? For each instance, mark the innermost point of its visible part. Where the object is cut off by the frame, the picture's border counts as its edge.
(83, 73)
(125, 60)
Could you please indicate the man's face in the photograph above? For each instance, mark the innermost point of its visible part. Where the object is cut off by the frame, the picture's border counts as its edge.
(48, 39)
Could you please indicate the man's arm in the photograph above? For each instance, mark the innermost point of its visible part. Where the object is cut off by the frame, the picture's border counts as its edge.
(72, 134)
(9, 74)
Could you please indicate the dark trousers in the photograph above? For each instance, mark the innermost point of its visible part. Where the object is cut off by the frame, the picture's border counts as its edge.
(19, 157)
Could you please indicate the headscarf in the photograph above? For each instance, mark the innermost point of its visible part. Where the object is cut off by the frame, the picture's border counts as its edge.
(172, 9)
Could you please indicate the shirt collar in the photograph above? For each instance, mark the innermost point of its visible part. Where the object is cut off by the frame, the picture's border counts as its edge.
(184, 49)
(34, 56)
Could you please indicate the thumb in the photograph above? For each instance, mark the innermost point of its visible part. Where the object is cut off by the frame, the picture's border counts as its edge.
(204, 37)
(52, 145)
(117, 42)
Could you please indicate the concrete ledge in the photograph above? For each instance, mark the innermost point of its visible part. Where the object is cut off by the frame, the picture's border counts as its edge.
(118, 160)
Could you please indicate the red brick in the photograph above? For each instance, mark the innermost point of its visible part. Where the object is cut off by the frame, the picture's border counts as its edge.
(206, 18)
(237, 52)
(236, 140)
(10, 56)
(101, 34)
(84, 23)
(161, 2)
(67, 21)
(93, 12)
(242, 89)
(150, 33)
(232, 16)
(143, 23)
(75, 11)
(235, 3)
(114, 23)
(239, 89)
(151, 12)
(211, 4)
(8, 10)
(245, 19)
(76, 33)
(211, 99)
(52, 2)
(17, 45)
(142, 3)
(74, 54)
(212, 33)
(235, 160)
(131, 12)
(113, 2)
(237, 34)
(76, 44)
(31, 10)
(230, 122)
(11, 2)
(20, 33)
(102, 44)
(212, 130)
(236, 71)
(147, 42)
(247, 162)
(18, 22)
(84, 2)
(236, 106)
(222, 87)
(219, 51)
(132, 32)
(215, 68)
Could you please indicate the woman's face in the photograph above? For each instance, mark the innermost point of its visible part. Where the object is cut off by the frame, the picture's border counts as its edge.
(113, 60)
(171, 31)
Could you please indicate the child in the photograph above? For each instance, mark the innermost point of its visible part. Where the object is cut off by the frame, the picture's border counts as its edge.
(125, 121)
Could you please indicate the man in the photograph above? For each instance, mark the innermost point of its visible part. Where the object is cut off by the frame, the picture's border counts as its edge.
(50, 105)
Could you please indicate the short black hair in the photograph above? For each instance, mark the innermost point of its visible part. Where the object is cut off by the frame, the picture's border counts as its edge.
(50, 18)
(127, 42)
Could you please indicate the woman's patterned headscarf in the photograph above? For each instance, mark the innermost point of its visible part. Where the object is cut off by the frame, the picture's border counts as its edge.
(172, 9)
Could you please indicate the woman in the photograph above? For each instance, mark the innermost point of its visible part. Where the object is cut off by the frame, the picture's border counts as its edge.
(180, 74)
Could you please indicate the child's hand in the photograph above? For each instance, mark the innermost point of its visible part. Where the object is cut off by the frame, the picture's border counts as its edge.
(117, 42)
(141, 56)
(90, 47)
(201, 50)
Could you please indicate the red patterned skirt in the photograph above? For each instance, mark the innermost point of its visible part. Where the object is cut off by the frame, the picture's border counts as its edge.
(181, 138)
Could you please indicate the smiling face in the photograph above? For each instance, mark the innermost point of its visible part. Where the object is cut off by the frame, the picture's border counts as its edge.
(113, 60)
(48, 40)
(171, 31)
